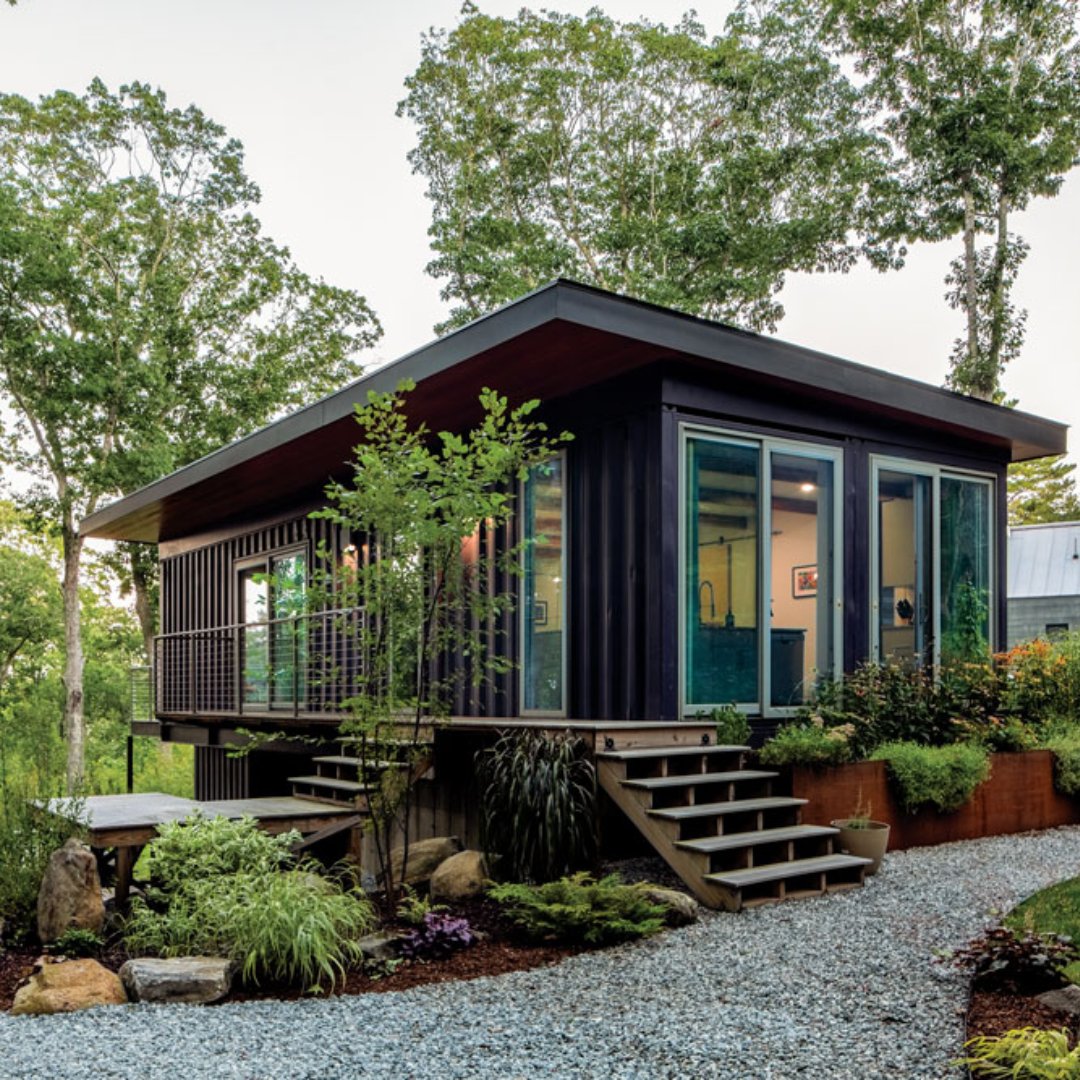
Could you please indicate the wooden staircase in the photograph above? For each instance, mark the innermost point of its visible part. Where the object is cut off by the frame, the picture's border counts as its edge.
(343, 779)
(719, 826)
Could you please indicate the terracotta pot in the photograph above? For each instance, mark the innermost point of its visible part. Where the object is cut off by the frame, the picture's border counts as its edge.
(869, 840)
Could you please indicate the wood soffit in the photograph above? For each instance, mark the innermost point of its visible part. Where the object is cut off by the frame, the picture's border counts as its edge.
(554, 342)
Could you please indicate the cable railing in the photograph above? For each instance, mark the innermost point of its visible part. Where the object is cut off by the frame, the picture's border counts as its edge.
(302, 665)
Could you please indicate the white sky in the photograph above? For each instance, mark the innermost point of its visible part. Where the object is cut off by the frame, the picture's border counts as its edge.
(310, 88)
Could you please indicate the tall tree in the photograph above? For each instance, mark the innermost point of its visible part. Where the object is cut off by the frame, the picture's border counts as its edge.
(144, 318)
(652, 161)
(981, 103)
(1042, 491)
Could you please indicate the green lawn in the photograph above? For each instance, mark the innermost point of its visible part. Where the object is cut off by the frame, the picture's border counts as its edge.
(1053, 911)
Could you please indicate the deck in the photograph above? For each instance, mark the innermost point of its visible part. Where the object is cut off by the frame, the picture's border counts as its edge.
(129, 822)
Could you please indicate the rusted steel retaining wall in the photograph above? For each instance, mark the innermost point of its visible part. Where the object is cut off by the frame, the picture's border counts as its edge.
(1018, 796)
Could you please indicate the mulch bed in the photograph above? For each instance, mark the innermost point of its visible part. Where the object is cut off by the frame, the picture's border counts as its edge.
(995, 1012)
(500, 950)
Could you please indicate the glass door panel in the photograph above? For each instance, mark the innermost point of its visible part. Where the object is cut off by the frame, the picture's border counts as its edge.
(289, 630)
(965, 569)
(722, 600)
(802, 576)
(543, 612)
(905, 568)
(255, 642)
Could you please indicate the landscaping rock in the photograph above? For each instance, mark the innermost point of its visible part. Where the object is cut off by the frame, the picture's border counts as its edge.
(424, 858)
(1067, 999)
(681, 909)
(68, 987)
(461, 877)
(70, 893)
(194, 980)
(381, 945)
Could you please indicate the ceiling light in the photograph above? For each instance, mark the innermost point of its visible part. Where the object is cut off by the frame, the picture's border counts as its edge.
(808, 487)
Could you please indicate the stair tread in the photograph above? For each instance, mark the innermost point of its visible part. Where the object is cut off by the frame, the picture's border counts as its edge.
(738, 879)
(638, 752)
(355, 762)
(735, 806)
(708, 844)
(329, 782)
(684, 780)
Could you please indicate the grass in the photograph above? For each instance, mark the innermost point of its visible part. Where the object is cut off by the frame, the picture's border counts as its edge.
(1055, 910)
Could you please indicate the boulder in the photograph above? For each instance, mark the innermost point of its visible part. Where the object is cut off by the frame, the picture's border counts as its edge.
(461, 877)
(424, 858)
(68, 987)
(70, 893)
(680, 908)
(193, 980)
(1067, 999)
(381, 945)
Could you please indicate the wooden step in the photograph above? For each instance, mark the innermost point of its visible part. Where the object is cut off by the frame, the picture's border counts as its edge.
(706, 845)
(758, 875)
(652, 783)
(351, 787)
(356, 763)
(644, 752)
(736, 806)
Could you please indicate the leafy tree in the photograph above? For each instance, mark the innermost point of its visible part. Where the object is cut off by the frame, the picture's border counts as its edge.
(981, 102)
(647, 160)
(425, 591)
(144, 318)
(1042, 491)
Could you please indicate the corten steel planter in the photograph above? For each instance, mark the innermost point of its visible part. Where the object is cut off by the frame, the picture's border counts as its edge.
(870, 840)
(1018, 796)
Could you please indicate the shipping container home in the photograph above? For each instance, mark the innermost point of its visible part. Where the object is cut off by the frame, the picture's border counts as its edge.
(735, 518)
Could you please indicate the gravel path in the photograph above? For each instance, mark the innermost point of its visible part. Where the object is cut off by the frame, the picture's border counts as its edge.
(837, 987)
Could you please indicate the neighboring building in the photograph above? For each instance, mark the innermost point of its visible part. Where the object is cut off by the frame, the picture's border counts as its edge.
(1044, 580)
(735, 516)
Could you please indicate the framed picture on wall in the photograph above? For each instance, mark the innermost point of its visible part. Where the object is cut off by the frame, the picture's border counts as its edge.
(804, 581)
(540, 613)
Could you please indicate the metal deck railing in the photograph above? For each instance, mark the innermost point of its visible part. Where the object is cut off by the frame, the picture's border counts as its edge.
(304, 665)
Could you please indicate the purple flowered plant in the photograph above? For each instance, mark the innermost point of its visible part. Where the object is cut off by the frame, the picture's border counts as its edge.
(440, 935)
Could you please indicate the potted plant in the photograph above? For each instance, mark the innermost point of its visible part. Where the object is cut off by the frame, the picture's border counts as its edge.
(860, 835)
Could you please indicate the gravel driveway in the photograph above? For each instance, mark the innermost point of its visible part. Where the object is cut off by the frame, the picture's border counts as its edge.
(837, 987)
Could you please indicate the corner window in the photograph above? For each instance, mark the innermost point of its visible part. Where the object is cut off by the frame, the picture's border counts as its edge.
(760, 588)
(932, 589)
(543, 607)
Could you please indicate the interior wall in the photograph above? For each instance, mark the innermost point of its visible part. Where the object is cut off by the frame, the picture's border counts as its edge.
(794, 543)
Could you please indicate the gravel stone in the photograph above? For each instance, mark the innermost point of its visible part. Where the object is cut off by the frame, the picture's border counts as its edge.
(842, 987)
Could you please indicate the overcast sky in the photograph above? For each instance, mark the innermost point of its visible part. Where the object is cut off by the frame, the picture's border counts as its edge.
(310, 88)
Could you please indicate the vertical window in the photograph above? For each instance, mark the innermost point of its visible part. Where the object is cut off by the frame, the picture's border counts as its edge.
(803, 576)
(543, 667)
(760, 572)
(933, 567)
(255, 606)
(722, 598)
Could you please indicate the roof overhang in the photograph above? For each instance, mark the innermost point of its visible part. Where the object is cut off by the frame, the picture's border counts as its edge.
(550, 343)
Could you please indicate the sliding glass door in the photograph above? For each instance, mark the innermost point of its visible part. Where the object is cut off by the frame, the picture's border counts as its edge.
(760, 571)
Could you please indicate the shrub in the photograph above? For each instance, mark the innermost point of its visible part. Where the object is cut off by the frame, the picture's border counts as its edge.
(207, 848)
(581, 909)
(74, 943)
(807, 743)
(27, 838)
(1065, 746)
(288, 926)
(732, 726)
(439, 936)
(1040, 679)
(1019, 962)
(1023, 1054)
(537, 800)
(413, 908)
(941, 776)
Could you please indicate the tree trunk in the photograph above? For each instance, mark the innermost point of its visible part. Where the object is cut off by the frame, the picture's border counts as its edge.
(144, 605)
(971, 294)
(998, 289)
(74, 720)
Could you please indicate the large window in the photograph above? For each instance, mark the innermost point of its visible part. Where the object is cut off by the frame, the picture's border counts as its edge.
(274, 633)
(932, 590)
(543, 610)
(760, 571)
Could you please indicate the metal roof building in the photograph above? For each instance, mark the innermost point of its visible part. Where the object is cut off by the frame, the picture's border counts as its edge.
(1044, 580)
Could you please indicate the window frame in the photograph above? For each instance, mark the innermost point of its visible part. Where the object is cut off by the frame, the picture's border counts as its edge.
(564, 658)
(935, 472)
(766, 444)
